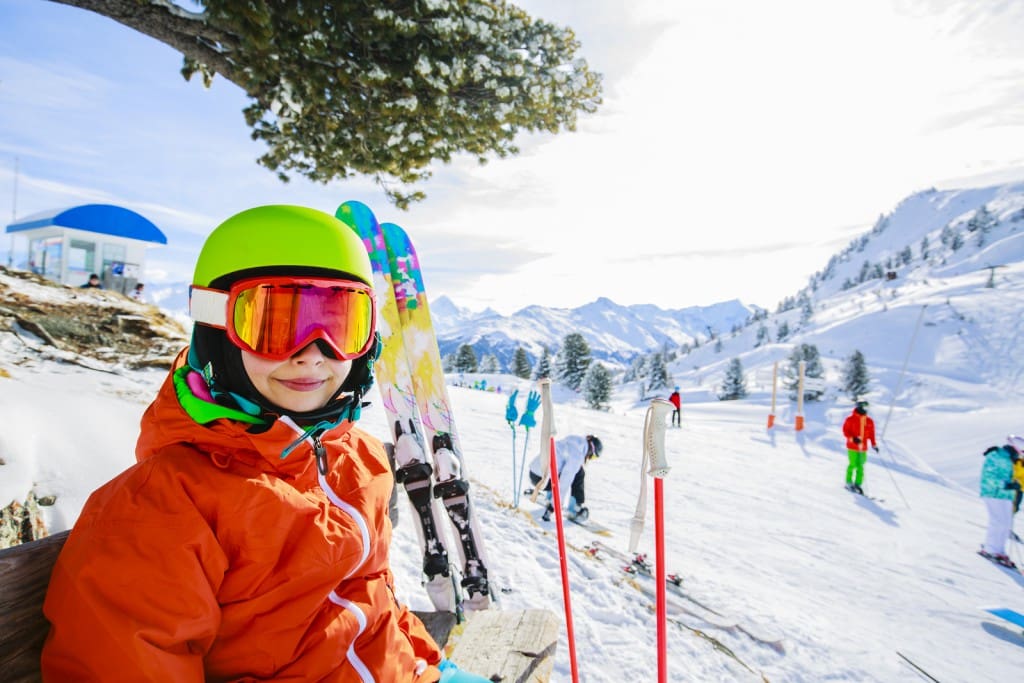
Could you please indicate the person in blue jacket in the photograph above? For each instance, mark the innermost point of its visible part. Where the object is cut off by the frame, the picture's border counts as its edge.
(998, 488)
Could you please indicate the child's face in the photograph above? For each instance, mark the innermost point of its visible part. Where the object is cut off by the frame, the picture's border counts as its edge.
(304, 382)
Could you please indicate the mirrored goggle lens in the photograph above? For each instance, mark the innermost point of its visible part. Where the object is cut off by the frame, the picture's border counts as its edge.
(280, 319)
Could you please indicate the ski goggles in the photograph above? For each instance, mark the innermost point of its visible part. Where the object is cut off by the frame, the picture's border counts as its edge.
(275, 317)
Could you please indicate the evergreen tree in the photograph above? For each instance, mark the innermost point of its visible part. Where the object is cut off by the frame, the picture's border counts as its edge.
(637, 369)
(668, 352)
(597, 386)
(956, 242)
(718, 346)
(983, 220)
(490, 363)
(465, 359)
(762, 336)
(806, 311)
(856, 380)
(946, 235)
(812, 370)
(783, 331)
(734, 385)
(924, 248)
(657, 373)
(385, 90)
(573, 359)
(521, 363)
(543, 368)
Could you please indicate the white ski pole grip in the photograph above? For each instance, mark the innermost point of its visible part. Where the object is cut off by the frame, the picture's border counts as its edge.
(547, 430)
(654, 438)
(654, 458)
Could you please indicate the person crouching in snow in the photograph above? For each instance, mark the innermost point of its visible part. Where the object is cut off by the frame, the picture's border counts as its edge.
(859, 430)
(571, 455)
(998, 487)
(250, 540)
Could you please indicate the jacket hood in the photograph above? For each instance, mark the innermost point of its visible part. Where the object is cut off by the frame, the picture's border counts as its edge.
(177, 416)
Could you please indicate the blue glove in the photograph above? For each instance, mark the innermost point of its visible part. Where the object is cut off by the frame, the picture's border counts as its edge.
(510, 412)
(532, 403)
(453, 674)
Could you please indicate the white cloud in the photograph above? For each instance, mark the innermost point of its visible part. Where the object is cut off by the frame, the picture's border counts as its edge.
(737, 145)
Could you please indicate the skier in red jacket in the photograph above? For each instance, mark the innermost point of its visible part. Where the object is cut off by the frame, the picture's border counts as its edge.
(676, 401)
(859, 430)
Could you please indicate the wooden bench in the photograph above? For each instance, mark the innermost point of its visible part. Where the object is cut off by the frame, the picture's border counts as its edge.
(511, 647)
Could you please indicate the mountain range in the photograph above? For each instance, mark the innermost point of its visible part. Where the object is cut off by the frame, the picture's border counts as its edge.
(931, 234)
(925, 292)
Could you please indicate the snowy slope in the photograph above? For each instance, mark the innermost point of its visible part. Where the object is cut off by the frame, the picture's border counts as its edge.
(758, 522)
(759, 526)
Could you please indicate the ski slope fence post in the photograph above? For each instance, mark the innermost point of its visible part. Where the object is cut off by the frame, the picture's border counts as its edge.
(654, 452)
(775, 377)
(895, 393)
(562, 559)
(799, 425)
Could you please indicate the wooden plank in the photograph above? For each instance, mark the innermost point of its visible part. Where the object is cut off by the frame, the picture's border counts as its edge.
(513, 647)
(24, 575)
(439, 625)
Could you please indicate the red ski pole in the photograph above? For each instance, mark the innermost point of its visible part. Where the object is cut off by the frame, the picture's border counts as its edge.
(654, 450)
(556, 499)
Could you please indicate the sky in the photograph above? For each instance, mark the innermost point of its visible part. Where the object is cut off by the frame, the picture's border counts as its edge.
(739, 146)
(758, 524)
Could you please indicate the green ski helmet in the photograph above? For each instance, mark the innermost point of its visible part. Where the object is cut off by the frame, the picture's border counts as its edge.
(274, 241)
(282, 237)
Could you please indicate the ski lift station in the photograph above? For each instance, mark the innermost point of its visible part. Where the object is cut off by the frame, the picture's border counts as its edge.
(69, 244)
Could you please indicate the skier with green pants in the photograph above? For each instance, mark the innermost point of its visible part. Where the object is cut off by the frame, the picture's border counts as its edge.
(859, 430)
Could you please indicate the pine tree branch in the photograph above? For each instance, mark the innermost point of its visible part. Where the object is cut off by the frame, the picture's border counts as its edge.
(187, 32)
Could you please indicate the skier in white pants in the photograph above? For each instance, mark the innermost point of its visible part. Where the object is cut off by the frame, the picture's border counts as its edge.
(997, 490)
(571, 455)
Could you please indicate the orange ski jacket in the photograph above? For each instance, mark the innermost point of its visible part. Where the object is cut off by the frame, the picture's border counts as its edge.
(215, 559)
(862, 427)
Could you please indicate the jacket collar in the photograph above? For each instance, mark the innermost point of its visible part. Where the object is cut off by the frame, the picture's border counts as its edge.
(222, 433)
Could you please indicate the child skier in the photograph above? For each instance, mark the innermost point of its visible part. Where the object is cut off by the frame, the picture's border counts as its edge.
(250, 540)
(571, 455)
(998, 487)
(859, 430)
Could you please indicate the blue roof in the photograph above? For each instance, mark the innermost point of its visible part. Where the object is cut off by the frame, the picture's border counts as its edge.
(105, 219)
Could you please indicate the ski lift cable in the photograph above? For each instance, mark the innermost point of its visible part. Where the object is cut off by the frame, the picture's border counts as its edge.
(892, 402)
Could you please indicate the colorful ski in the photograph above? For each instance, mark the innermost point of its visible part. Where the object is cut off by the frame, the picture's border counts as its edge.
(396, 389)
(431, 395)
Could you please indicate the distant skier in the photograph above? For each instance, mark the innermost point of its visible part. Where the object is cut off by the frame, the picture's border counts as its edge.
(998, 488)
(859, 430)
(571, 455)
(676, 401)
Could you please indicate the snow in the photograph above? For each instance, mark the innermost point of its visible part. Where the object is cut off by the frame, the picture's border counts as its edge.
(758, 522)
